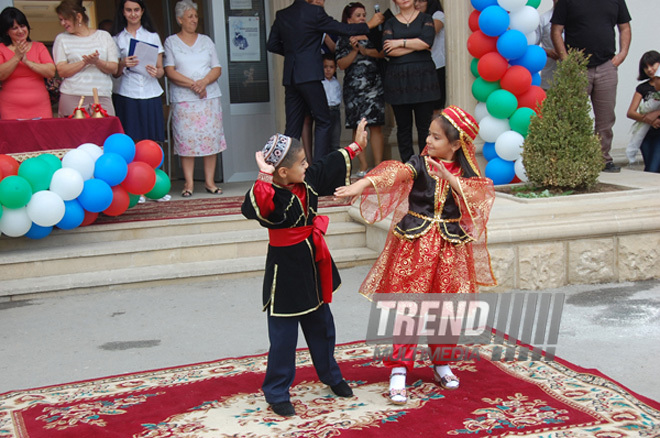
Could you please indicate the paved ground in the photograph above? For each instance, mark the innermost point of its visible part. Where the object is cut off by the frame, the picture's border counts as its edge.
(611, 327)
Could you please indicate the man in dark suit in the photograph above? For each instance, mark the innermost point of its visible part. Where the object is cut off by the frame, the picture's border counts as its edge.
(297, 34)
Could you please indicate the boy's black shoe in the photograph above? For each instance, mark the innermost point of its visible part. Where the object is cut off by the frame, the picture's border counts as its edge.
(342, 389)
(611, 168)
(285, 409)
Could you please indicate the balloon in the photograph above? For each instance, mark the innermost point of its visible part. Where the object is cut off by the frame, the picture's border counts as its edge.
(500, 171)
(162, 186)
(81, 161)
(140, 179)
(520, 120)
(38, 232)
(67, 182)
(478, 44)
(149, 152)
(8, 165)
(89, 218)
(473, 21)
(516, 80)
(511, 44)
(53, 162)
(15, 222)
(489, 151)
(96, 195)
(512, 5)
(474, 67)
(93, 150)
(15, 192)
(532, 38)
(501, 104)
(37, 172)
(519, 168)
(492, 66)
(490, 128)
(120, 144)
(480, 111)
(534, 3)
(45, 208)
(120, 202)
(525, 20)
(509, 145)
(480, 5)
(73, 215)
(134, 199)
(531, 97)
(533, 60)
(111, 168)
(536, 78)
(481, 89)
(494, 21)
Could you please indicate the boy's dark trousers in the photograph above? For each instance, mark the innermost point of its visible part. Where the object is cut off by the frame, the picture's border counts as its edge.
(319, 330)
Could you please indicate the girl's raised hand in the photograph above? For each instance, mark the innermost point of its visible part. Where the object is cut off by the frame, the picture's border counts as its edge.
(361, 134)
(438, 169)
(261, 163)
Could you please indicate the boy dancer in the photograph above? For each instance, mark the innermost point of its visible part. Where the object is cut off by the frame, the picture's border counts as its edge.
(300, 275)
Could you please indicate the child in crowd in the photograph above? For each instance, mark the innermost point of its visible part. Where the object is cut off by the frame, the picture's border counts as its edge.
(437, 242)
(332, 89)
(645, 110)
(300, 276)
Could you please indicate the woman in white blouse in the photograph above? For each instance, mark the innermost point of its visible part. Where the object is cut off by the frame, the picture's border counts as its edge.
(85, 59)
(191, 64)
(137, 93)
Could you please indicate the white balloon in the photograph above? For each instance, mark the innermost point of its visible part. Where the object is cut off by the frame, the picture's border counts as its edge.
(512, 5)
(81, 161)
(519, 168)
(509, 145)
(533, 38)
(15, 222)
(45, 208)
(525, 20)
(480, 111)
(68, 183)
(490, 128)
(93, 150)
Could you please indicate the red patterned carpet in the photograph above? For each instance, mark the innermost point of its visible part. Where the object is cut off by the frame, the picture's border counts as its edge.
(182, 209)
(223, 399)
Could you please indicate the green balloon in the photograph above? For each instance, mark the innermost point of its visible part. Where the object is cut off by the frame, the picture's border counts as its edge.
(534, 3)
(15, 192)
(481, 89)
(37, 172)
(520, 120)
(162, 187)
(133, 200)
(52, 160)
(501, 104)
(473, 67)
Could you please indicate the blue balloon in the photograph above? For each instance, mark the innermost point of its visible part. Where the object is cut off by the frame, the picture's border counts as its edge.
(120, 144)
(494, 21)
(512, 44)
(96, 195)
(480, 5)
(38, 232)
(500, 171)
(74, 215)
(533, 59)
(111, 168)
(536, 79)
(489, 151)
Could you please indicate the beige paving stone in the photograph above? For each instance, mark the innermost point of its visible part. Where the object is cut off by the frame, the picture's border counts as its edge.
(541, 266)
(639, 257)
(591, 261)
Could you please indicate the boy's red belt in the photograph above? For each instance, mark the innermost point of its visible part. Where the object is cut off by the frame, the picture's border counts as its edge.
(292, 236)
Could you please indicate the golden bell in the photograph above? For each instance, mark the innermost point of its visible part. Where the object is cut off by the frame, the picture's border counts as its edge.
(78, 114)
(97, 115)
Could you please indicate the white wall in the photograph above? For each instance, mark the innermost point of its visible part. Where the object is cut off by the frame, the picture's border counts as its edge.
(5, 3)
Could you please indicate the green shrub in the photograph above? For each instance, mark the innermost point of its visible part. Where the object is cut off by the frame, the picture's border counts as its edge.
(561, 149)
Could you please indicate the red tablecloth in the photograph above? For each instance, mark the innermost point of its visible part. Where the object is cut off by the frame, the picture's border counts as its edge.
(24, 138)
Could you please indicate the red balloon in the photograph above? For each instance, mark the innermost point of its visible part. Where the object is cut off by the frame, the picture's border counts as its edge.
(531, 97)
(517, 80)
(473, 21)
(140, 179)
(120, 201)
(478, 44)
(8, 166)
(492, 66)
(89, 218)
(148, 151)
(515, 180)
